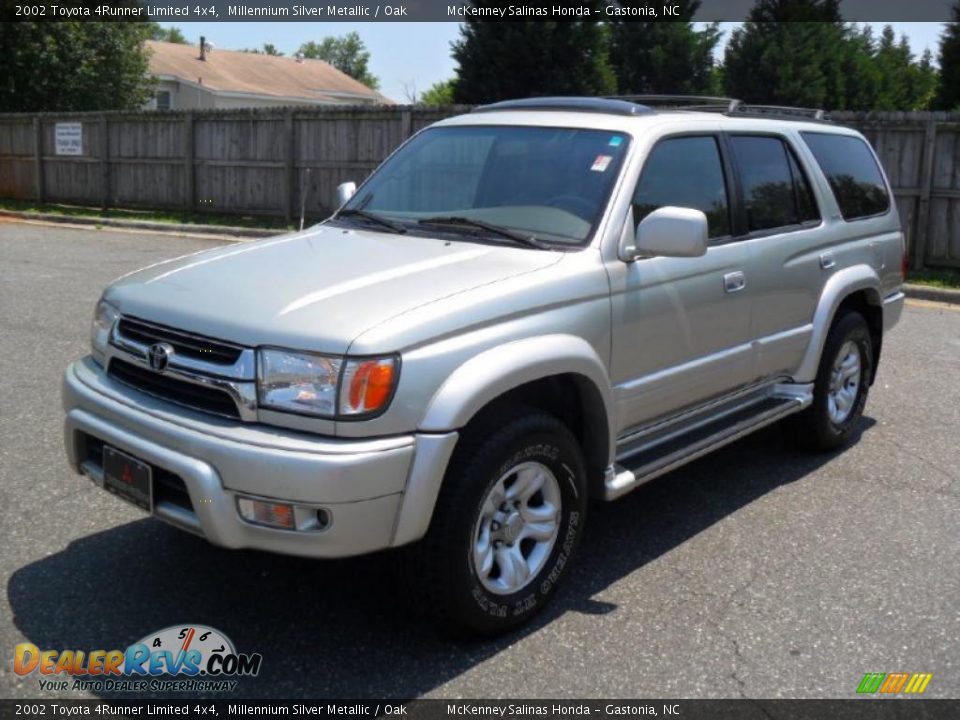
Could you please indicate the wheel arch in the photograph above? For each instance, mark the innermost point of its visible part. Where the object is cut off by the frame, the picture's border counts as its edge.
(856, 287)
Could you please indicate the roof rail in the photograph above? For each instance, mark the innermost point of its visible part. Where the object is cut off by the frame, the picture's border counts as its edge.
(610, 106)
(779, 111)
(686, 102)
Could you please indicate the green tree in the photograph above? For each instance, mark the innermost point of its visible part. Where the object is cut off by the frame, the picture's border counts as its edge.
(440, 93)
(948, 96)
(498, 60)
(348, 54)
(63, 66)
(663, 57)
(172, 35)
(789, 52)
(268, 49)
(923, 82)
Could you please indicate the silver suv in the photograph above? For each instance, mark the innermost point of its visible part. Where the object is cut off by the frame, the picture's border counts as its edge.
(526, 307)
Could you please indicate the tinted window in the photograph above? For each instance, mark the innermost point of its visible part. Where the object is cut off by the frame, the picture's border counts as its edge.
(685, 172)
(852, 172)
(775, 191)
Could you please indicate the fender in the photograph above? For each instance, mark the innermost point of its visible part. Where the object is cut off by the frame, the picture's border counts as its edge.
(470, 387)
(837, 288)
(500, 369)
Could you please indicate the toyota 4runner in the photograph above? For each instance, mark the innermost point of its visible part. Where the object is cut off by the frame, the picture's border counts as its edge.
(525, 307)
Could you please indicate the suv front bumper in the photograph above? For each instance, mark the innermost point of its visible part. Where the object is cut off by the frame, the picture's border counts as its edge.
(378, 493)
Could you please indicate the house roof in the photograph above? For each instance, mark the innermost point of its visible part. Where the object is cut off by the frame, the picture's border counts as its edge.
(232, 71)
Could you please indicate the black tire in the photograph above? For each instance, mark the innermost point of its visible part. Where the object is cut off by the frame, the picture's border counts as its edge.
(814, 428)
(442, 566)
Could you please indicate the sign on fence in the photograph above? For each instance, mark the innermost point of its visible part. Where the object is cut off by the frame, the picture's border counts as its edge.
(69, 138)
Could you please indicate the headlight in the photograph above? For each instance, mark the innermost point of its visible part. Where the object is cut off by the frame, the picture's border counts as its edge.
(324, 386)
(104, 317)
(298, 382)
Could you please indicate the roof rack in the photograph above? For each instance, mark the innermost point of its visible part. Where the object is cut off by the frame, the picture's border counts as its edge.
(685, 102)
(646, 104)
(778, 110)
(610, 106)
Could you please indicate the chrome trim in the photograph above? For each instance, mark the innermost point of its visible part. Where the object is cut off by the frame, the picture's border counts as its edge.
(619, 480)
(243, 393)
(245, 368)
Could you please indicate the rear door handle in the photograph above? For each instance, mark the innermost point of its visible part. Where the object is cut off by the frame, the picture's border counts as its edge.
(734, 282)
(827, 260)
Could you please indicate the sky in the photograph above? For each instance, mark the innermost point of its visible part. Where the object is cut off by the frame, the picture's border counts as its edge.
(409, 57)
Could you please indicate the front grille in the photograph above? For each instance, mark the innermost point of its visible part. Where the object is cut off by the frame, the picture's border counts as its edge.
(169, 388)
(191, 346)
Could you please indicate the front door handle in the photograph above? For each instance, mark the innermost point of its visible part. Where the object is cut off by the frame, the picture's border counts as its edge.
(734, 282)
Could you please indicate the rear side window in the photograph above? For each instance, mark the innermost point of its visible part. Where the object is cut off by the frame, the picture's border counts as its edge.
(685, 172)
(852, 172)
(775, 192)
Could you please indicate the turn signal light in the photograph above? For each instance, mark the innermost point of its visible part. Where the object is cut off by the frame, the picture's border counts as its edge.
(278, 515)
(367, 385)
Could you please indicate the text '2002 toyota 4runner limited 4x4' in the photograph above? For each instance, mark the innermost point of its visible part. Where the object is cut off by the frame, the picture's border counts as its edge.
(525, 307)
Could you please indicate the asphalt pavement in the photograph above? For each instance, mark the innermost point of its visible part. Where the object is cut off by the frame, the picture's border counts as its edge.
(758, 571)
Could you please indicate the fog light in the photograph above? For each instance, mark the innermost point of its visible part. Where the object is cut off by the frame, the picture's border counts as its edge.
(278, 515)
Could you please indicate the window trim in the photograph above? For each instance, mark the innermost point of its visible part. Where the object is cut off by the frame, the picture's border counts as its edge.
(891, 199)
(729, 178)
(742, 228)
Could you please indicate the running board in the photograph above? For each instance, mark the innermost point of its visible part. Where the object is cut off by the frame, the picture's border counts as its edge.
(661, 456)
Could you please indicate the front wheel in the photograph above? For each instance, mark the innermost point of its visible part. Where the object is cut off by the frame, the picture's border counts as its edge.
(507, 522)
(840, 389)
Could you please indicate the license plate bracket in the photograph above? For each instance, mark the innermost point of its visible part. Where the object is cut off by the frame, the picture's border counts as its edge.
(127, 477)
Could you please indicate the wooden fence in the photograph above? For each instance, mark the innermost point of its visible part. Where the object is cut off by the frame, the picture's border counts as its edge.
(284, 161)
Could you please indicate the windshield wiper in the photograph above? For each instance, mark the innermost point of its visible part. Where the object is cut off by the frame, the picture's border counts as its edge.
(528, 240)
(372, 217)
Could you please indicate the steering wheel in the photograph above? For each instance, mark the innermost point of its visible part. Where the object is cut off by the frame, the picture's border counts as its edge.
(573, 204)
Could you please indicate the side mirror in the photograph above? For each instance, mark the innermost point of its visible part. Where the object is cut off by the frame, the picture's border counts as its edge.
(669, 232)
(345, 191)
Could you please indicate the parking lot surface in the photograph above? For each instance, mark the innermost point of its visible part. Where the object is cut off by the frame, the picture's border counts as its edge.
(758, 571)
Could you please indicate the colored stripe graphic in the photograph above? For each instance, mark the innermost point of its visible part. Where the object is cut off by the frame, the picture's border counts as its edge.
(871, 683)
(918, 683)
(893, 683)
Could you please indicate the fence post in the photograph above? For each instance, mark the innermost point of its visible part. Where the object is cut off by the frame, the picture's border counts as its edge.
(926, 189)
(290, 166)
(38, 158)
(406, 123)
(104, 162)
(189, 184)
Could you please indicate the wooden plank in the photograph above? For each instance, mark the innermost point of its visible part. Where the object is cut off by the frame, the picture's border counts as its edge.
(104, 163)
(189, 192)
(290, 170)
(38, 155)
(921, 234)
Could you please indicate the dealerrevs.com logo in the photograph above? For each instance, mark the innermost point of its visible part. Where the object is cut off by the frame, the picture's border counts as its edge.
(180, 658)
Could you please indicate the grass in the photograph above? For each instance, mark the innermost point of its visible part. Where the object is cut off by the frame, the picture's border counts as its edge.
(159, 216)
(948, 279)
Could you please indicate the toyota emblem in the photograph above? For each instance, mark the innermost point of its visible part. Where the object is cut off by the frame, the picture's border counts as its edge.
(159, 356)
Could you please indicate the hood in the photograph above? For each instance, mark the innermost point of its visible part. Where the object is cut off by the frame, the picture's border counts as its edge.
(314, 290)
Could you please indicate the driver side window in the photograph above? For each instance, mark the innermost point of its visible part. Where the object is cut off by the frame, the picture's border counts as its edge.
(685, 172)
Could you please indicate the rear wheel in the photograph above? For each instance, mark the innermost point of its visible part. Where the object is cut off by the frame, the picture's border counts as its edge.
(841, 387)
(507, 522)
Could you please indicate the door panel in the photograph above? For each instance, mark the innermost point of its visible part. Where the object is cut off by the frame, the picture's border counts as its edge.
(680, 337)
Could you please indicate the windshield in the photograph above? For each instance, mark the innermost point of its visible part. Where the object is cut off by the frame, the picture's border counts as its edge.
(551, 183)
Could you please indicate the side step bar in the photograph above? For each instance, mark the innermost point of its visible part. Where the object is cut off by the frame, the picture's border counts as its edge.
(658, 458)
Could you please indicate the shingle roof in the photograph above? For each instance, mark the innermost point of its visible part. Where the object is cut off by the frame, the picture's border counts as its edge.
(240, 72)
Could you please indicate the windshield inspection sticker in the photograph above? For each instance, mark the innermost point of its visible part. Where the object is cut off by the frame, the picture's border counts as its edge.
(601, 163)
(615, 141)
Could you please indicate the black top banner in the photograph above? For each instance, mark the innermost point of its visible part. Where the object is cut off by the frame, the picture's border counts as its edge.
(435, 11)
(892, 709)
